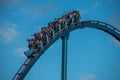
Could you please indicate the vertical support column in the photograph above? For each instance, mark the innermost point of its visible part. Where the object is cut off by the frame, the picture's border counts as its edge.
(64, 58)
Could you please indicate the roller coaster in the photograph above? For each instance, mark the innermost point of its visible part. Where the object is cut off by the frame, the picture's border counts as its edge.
(63, 33)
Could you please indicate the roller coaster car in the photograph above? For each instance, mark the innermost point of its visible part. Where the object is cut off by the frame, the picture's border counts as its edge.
(30, 53)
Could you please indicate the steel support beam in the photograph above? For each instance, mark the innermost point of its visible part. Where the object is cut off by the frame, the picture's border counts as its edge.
(64, 58)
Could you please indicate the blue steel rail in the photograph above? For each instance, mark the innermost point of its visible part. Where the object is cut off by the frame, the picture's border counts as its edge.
(27, 65)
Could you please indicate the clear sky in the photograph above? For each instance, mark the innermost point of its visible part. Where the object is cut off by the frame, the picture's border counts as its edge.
(92, 54)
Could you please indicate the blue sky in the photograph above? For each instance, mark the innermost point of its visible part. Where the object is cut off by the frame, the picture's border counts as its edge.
(92, 54)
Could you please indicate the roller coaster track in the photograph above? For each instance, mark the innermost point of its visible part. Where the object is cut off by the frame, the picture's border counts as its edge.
(29, 62)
